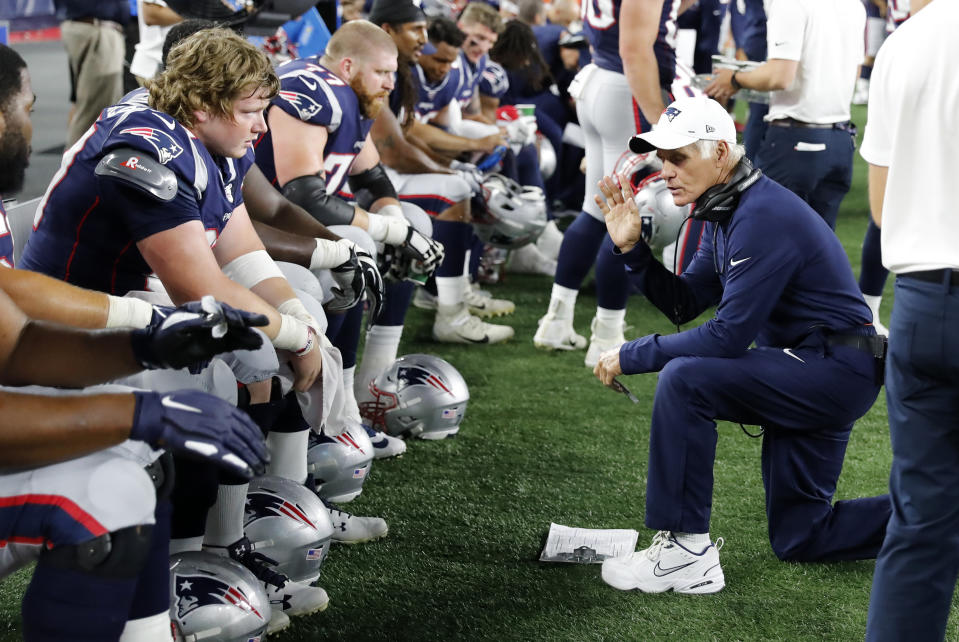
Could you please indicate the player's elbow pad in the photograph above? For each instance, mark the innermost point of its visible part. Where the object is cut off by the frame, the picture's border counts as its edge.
(375, 181)
(309, 192)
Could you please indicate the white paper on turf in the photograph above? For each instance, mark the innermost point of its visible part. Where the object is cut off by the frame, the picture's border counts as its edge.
(587, 545)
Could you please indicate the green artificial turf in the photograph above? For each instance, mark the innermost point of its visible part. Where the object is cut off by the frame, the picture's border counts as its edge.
(544, 442)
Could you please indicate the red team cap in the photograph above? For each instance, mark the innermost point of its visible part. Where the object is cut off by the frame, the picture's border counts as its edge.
(685, 121)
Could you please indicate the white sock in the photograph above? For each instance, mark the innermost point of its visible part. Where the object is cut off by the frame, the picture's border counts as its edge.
(184, 544)
(224, 522)
(155, 628)
(695, 542)
(562, 301)
(614, 318)
(288, 454)
(349, 398)
(382, 343)
(873, 302)
(449, 290)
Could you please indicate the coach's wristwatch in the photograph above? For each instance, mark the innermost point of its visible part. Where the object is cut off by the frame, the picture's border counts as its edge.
(734, 82)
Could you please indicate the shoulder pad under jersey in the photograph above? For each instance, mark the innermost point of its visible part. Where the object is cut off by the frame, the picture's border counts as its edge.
(138, 169)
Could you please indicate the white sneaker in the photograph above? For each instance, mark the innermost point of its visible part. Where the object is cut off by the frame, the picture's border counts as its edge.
(604, 337)
(353, 529)
(385, 446)
(278, 621)
(667, 565)
(550, 241)
(555, 331)
(482, 304)
(454, 324)
(530, 260)
(295, 598)
(424, 300)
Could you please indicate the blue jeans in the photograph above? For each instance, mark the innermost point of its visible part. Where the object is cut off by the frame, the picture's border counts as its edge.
(814, 164)
(918, 565)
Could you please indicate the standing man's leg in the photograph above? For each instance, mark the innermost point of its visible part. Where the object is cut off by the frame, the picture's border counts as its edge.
(918, 565)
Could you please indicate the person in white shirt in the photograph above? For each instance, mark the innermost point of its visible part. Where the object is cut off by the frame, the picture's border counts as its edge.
(908, 144)
(154, 18)
(814, 52)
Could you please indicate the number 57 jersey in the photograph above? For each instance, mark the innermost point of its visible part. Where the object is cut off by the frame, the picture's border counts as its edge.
(315, 95)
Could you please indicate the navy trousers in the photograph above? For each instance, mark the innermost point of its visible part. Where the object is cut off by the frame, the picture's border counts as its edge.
(919, 562)
(815, 164)
(807, 399)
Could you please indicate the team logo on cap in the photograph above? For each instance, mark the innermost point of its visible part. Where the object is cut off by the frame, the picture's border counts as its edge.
(194, 591)
(671, 112)
(166, 147)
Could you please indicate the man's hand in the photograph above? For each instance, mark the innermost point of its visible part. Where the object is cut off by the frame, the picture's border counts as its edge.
(721, 88)
(349, 283)
(489, 143)
(202, 426)
(623, 222)
(607, 368)
(308, 364)
(469, 173)
(195, 333)
(425, 253)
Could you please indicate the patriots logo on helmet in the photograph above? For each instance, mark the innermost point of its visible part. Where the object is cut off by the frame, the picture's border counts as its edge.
(671, 112)
(194, 591)
(416, 376)
(166, 147)
(263, 503)
(305, 106)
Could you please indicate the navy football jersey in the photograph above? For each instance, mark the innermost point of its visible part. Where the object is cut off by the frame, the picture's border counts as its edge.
(469, 77)
(494, 81)
(601, 26)
(6, 239)
(314, 94)
(432, 98)
(87, 226)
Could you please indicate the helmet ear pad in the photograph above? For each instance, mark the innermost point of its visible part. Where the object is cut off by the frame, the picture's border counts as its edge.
(214, 595)
(419, 395)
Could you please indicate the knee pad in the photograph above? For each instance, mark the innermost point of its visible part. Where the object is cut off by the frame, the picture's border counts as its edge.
(301, 279)
(119, 554)
(252, 366)
(419, 219)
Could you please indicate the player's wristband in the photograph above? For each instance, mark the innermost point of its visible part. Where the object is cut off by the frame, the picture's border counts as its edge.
(128, 312)
(294, 335)
(295, 308)
(328, 254)
(734, 82)
(387, 228)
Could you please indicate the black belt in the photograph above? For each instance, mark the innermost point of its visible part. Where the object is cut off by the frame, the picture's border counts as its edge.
(934, 276)
(792, 122)
(874, 344)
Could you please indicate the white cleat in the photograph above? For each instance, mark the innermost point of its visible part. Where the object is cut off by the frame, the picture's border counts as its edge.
(555, 331)
(604, 337)
(424, 300)
(667, 565)
(295, 598)
(384, 446)
(454, 324)
(353, 529)
(530, 260)
(278, 621)
(482, 304)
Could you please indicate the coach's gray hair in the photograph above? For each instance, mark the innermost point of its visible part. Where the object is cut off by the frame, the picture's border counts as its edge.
(708, 147)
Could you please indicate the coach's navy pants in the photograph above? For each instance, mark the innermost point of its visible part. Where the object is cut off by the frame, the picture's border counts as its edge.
(814, 164)
(807, 399)
(917, 567)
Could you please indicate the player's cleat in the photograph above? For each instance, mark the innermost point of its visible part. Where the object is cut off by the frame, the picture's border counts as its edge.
(385, 446)
(286, 596)
(605, 336)
(424, 300)
(278, 621)
(454, 324)
(530, 260)
(353, 529)
(555, 331)
(667, 565)
(482, 304)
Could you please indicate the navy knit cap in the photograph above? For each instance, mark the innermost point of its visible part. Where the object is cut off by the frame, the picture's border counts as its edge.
(396, 12)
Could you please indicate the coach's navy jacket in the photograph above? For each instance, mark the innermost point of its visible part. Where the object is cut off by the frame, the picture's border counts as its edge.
(776, 271)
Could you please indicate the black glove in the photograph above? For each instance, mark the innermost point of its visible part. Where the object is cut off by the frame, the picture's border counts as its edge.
(349, 284)
(193, 423)
(424, 253)
(373, 282)
(194, 333)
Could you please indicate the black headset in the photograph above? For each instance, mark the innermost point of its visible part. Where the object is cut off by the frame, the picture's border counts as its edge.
(719, 202)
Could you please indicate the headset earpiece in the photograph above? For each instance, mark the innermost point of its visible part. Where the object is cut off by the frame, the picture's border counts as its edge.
(719, 202)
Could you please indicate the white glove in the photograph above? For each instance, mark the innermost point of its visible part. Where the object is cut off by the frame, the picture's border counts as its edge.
(388, 229)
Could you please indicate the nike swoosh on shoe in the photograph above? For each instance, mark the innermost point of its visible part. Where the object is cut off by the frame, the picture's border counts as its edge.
(485, 339)
(667, 571)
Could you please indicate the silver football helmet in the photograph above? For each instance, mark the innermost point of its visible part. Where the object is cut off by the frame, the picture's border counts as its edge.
(418, 395)
(288, 523)
(508, 215)
(339, 465)
(214, 597)
(662, 218)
